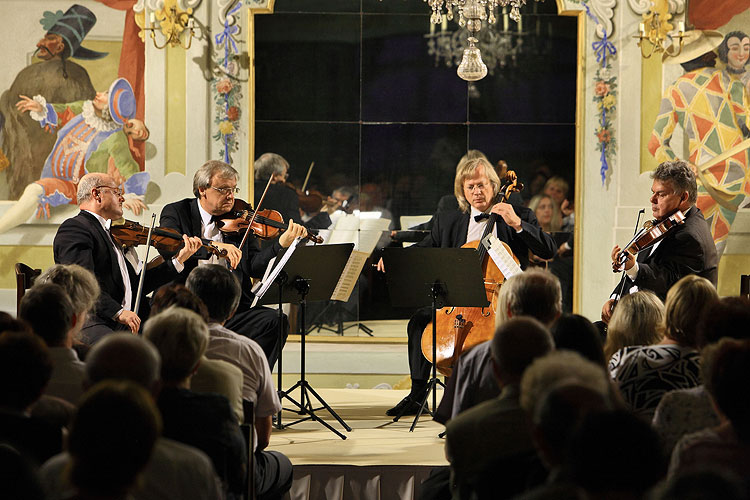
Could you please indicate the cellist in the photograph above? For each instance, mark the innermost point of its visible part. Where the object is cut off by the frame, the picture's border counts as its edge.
(476, 185)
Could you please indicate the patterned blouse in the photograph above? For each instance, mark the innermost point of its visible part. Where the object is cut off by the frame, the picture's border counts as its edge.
(645, 373)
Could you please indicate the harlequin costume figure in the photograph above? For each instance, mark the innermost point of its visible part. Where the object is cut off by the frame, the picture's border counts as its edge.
(93, 136)
(711, 106)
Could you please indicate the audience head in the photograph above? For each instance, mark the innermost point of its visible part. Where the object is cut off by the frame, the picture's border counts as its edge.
(178, 295)
(615, 454)
(466, 171)
(516, 343)
(726, 371)
(123, 356)
(726, 317)
(573, 332)
(271, 165)
(80, 284)
(558, 414)
(637, 320)
(50, 313)
(18, 478)
(25, 369)
(112, 438)
(557, 367)
(556, 188)
(547, 212)
(684, 307)
(181, 337)
(218, 288)
(10, 324)
(534, 293)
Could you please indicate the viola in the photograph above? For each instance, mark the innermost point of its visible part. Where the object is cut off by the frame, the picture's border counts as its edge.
(131, 234)
(653, 231)
(265, 224)
(460, 328)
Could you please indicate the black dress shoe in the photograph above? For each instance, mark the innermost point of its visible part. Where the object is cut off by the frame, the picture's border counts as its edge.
(407, 406)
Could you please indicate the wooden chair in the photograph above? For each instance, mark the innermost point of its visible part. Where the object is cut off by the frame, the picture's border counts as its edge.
(248, 432)
(25, 277)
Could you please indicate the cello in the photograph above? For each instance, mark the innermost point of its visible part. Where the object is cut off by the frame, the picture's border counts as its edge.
(461, 328)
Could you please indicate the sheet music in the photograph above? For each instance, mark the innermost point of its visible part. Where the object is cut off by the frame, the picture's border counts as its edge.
(349, 276)
(363, 232)
(272, 271)
(500, 255)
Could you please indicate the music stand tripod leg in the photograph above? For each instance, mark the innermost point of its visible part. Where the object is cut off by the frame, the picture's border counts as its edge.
(306, 407)
(280, 280)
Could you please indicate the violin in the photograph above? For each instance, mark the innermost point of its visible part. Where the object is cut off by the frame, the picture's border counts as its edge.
(266, 224)
(460, 328)
(653, 231)
(130, 234)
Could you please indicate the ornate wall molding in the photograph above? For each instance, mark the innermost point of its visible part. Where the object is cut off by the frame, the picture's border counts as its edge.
(225, 6)
(643, 6)
(605, 11)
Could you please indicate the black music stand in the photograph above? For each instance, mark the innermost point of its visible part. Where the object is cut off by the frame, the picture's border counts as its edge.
(312, 273)
(438, 277)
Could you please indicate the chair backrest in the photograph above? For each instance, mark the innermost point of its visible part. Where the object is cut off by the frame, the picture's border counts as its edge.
(25, 277)
(248, 432)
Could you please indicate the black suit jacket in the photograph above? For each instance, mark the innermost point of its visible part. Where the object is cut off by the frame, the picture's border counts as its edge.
(687, 249)
(185, 217)
(449, 231)
(82, 240)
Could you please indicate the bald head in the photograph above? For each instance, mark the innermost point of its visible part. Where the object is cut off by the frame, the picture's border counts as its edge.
(87, 184)
(123, 356)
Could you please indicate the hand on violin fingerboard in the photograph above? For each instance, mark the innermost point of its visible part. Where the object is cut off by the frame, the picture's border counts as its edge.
(234, 254)
(293, 232)
(191, 245)
(629, 262)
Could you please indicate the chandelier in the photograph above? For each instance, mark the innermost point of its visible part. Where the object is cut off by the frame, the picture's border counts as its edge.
(499, 48)
(471, 13)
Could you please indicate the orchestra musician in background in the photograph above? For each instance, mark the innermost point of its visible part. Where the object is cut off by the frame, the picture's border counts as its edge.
(476, 186)
(687, 249)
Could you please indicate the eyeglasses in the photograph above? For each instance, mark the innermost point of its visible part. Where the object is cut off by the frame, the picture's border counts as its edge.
(226, 190)
(115, 191)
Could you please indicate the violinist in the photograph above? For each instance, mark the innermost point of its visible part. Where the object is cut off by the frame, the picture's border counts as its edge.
(476, 185)
(687, 249)
(214, 186)
(85, 240)
(280, 196)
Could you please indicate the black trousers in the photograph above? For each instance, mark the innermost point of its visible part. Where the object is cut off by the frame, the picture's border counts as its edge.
(261, 324)
(273, 475)
(419, 367)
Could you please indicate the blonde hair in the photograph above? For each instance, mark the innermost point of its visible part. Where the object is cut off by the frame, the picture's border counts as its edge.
(684, 307)
(466, 170)
(559, 182)
(556, 222)
(637, 320)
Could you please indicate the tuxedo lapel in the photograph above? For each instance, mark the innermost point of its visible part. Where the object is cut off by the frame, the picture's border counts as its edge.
(106, 245)
(461, 229)
(195, 219)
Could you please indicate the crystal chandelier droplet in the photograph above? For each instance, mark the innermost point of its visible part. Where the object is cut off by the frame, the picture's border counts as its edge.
(472, 68)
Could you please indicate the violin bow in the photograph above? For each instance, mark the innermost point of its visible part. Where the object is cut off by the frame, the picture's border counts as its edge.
(255, 212)
(142, 278)
(307, 177)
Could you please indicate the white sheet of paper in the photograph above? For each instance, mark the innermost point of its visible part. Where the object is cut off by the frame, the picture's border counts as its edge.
(349, 276)
(500, 255)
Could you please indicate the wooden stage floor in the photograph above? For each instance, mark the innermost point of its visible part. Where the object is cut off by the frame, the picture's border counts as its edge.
(379, 459)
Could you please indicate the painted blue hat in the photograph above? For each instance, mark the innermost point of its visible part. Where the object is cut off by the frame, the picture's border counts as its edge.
(121, 101)
(72, 26)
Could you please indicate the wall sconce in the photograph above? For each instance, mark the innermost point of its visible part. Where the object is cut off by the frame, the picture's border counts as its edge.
(656, 29)
(172, 23)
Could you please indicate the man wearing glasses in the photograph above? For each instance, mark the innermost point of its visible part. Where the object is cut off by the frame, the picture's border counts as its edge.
(86, 240)
(214, 186)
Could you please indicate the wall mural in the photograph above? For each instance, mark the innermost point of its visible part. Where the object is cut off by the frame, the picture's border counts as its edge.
(56, 126)
(710, 102)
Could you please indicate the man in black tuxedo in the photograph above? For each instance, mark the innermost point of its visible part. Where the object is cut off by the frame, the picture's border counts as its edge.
(476, 186)
(214, 186)
(686, 249)
(85, 240)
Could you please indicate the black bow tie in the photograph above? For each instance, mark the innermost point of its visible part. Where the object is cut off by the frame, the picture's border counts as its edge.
(481, 217)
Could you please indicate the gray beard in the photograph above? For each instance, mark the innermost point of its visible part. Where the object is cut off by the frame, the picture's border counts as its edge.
(735, 71)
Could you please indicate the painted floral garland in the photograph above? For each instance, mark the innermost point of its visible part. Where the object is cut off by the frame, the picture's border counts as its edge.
(226, 88)
(605, 96)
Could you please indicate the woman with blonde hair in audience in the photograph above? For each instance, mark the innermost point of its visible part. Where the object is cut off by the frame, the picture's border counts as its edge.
(547, 212)
(645, 373)
(637, 320)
